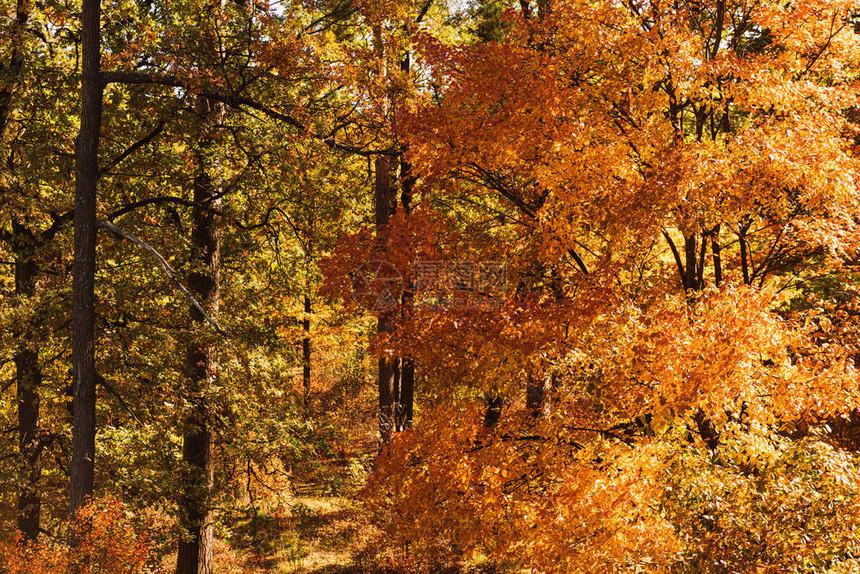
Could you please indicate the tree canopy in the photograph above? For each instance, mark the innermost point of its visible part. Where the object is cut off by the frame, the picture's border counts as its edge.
(568, 286)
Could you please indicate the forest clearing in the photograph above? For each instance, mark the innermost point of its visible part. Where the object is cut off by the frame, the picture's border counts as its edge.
(429, 286)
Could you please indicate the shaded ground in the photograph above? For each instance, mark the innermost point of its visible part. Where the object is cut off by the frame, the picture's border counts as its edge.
(317, 535)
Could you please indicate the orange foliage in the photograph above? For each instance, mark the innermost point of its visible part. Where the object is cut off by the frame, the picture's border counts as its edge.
(672, 186)
(107, 543)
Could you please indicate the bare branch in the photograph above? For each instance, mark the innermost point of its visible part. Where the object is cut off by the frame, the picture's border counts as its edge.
(239, 102)
(109, 388)
(677, 257)
(168, 270)
(134, 147)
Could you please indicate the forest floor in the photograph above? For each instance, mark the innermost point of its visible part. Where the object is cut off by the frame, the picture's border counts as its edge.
(326, 534)
(318, 535)
(311, 524)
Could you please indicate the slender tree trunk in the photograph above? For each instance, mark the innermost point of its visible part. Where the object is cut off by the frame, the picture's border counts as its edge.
(742, 238)
(385, 381)
(407, 392)
(28, 379)
(690, 262)
(494, 410)
(15, 63)
(389, 375)
(700, 269)
(407, 376)
(306, 355)
(28, 374)
(718, 264)
(81, 469)
(196, 546)
(382, 191)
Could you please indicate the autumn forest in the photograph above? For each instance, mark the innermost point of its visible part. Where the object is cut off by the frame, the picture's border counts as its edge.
(430, 286)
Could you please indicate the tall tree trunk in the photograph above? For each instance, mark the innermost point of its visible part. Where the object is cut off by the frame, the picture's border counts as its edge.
(28, 379)
(742, 238)
(28, 374)
(388, 377)
(407, 376)
(16, 62)
(81, 469)
(306, 356)
(690, 262)
(196, 546)
(385, 381)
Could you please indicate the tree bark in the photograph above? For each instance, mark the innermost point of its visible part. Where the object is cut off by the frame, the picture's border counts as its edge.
(81, 469)
(742, 238)
(28, 376)
(407, 392)
(385, 381)
(493, 414)
(690, 262)
(15, 64)
(306, 356)
(388, 377)
(197, 543)
(718, 263)
(407, 377)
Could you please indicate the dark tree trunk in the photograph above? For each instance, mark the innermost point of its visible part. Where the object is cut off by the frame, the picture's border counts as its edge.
(718, 264)
(494, 410)
(388, 377)
(306, 356)
(196, 546)
(706, 429)
(382, 192)
(742, 238)
(700, 270)
(407, 377)
(690, 262)
(28, 374)
(28, 378)
(16, 62)
(407, 392)
(81, 469)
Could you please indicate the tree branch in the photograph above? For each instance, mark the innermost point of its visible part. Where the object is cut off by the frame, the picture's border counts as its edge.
(134, 147)
(109, 388)
(677, 257)
(168, 270)
(239, 102)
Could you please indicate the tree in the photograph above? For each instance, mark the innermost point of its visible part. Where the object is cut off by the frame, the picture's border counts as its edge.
(602, 150)
(197, 543)
(28, 372)
(153, 59)
(81, 469)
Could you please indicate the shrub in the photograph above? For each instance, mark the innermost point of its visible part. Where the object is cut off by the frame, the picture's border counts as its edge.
(106, 543)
